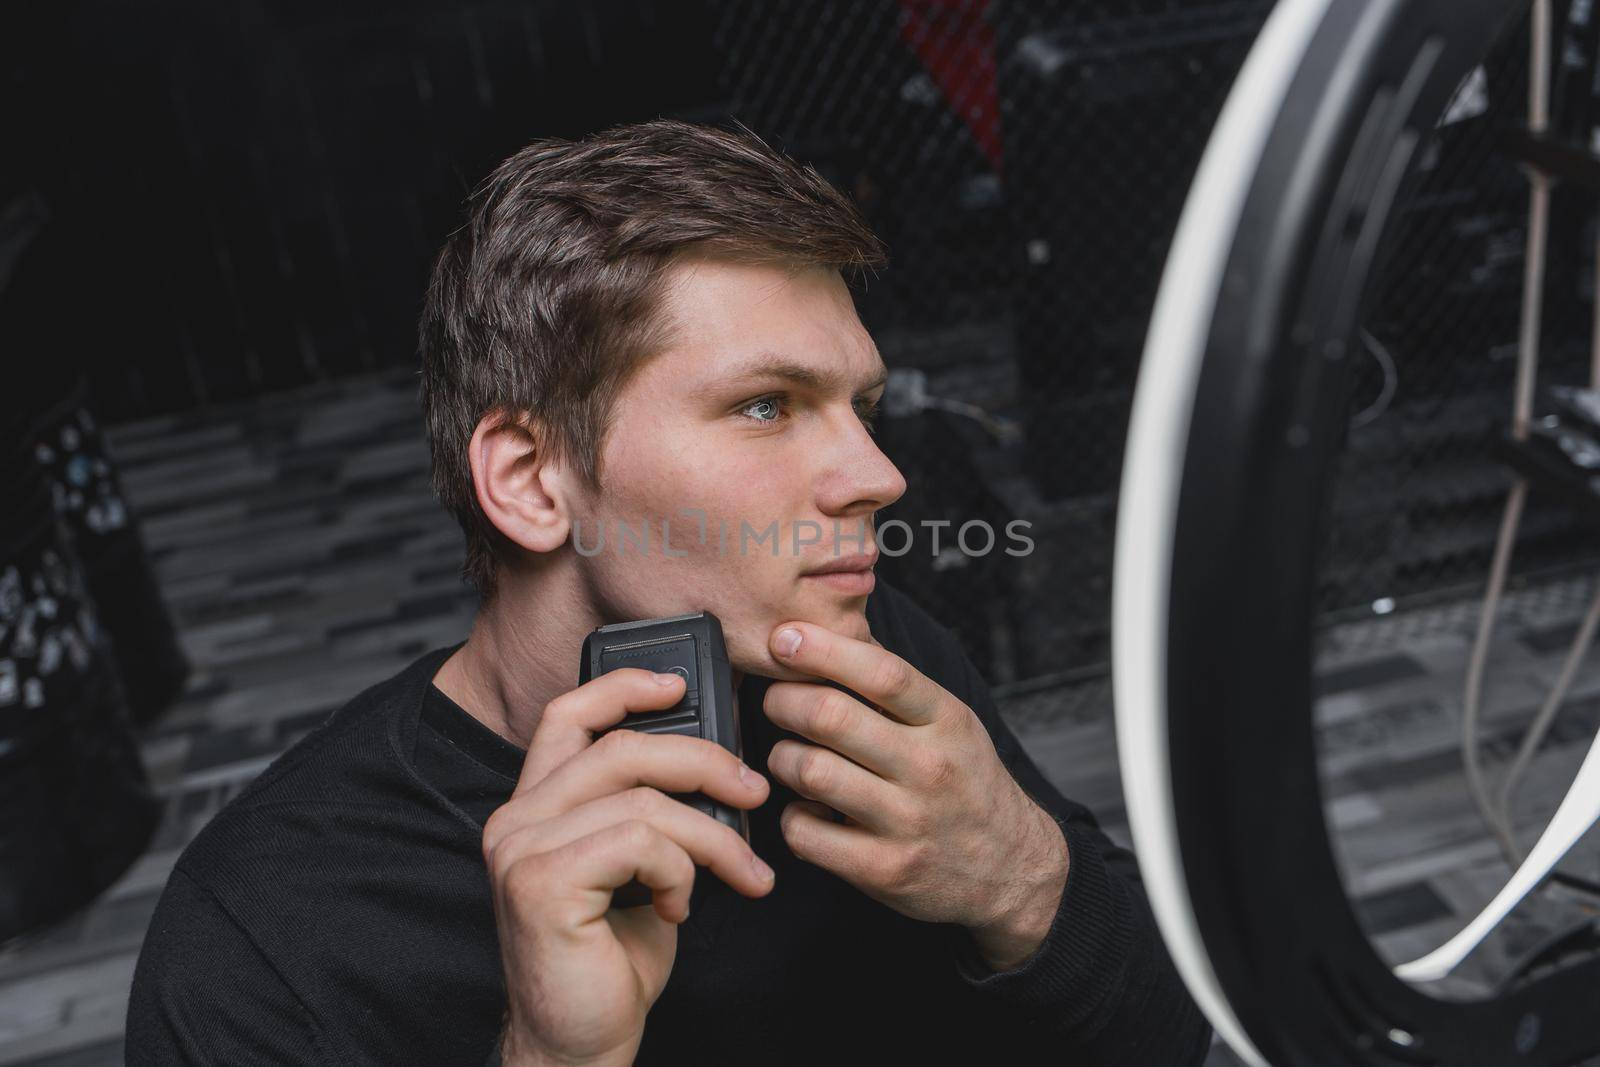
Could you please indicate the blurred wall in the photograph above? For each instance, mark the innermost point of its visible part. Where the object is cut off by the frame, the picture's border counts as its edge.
(248, 194)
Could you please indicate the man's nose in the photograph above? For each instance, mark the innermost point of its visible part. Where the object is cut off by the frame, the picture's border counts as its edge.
(863, 479)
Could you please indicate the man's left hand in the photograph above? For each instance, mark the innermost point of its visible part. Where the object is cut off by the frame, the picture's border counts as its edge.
(935, 825)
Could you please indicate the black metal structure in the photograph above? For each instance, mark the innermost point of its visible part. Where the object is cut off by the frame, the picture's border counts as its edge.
(1244, 418)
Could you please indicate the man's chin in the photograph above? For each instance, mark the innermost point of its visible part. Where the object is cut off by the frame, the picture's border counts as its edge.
(845, 619)
(846, 616)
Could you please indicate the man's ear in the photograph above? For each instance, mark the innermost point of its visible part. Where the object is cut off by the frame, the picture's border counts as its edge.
(520, 488)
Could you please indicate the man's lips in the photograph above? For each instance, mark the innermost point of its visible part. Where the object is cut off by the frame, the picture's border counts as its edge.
(863, 561)
(851, 575)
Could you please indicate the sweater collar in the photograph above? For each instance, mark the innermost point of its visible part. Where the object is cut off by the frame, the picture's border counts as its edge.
(458, 726)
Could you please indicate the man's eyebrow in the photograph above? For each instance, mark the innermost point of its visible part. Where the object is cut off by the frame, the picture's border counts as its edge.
(771, 365)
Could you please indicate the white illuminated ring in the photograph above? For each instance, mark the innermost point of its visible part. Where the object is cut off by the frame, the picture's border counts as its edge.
(1158, 433)
(1236, 427)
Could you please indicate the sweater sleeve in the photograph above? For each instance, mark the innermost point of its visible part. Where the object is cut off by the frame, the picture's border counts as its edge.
(1101, 980)
(204, 994)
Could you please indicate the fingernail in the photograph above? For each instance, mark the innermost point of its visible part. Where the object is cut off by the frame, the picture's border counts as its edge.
(788, 642)
(666, 679)
(763, 872)
(748, 778)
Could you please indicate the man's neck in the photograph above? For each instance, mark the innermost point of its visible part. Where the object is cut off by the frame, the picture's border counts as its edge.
(522, 654)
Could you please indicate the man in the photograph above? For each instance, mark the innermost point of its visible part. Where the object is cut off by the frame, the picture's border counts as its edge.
(648, 333)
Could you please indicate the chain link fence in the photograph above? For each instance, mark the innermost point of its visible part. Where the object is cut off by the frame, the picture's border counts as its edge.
(1025, 160)
(1420, 493)
(1026, 163)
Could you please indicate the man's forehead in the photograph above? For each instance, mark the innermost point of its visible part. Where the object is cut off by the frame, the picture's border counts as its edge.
(745, 321)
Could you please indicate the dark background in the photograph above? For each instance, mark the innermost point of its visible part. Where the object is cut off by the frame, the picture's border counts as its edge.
(247, 195)
(253, 191)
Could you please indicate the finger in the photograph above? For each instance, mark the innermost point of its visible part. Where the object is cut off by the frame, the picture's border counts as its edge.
(623, 759)
(870, 670)
(828, 777)
(570, 721)
(836, 720)
(816, 838)
(708, 842)
(611, 857)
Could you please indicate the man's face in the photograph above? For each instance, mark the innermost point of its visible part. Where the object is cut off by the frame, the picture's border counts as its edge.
(753, 416)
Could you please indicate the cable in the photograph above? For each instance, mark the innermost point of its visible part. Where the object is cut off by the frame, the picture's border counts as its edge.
(1521, 412)
(1579, 938)
(1575, 882)
(1541, 725)
(1472, 698)
(1576, 815)
(1391, 381)
(1002, 429)
(1538, 223)
(906, 393)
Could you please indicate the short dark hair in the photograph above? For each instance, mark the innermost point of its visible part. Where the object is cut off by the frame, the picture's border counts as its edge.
(546, 300)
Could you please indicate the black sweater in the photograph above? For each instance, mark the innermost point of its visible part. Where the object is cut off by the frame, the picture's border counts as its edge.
(338, 911)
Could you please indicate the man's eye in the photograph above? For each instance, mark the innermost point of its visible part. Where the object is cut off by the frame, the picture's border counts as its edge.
(868, 411)
(767, 409)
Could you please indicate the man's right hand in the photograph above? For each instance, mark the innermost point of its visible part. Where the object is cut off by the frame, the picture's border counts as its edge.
(587, 817)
